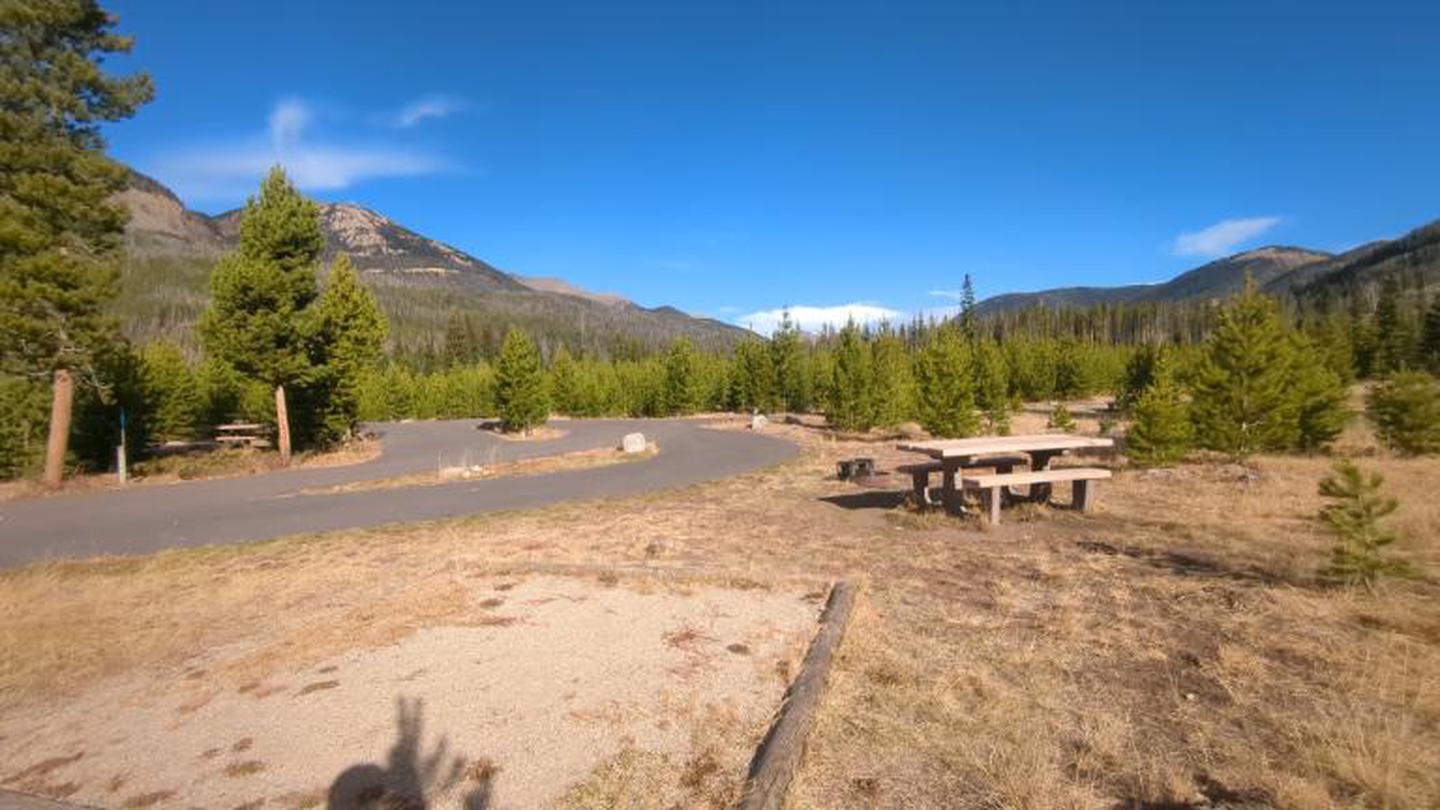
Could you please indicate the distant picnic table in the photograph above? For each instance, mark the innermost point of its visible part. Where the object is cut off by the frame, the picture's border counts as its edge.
(242, 434)
(959, 461)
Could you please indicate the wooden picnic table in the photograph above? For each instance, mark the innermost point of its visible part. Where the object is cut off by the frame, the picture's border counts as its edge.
(957, 454)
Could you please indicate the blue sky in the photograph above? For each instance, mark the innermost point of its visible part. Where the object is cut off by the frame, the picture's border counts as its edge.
(732, 158)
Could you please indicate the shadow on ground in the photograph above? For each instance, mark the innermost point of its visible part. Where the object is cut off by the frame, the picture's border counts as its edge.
(408, 778)
(1185, 565)
(868, 499)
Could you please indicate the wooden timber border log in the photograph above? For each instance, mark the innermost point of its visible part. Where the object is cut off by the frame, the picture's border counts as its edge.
(778, 756)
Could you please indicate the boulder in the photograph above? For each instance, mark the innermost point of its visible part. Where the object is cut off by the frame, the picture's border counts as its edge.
(758, 421)
(633, 443)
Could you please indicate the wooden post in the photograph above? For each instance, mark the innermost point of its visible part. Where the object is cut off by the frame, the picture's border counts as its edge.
(61, 400)
(282, 425)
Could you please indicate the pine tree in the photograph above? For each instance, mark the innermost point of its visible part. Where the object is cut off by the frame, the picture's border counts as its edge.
(894, 387)
(1139, 373)
(792, 373)
(1320, 396)
(1396, 335)
(683, 390)
(852, 397)
(60, 231)
(462, 347)
(173, 402)
(1405, 411)
(1242, 398)
(992, 386)
(565, 383)
(754, 376)
(1161, 433)
(946, 383)
(1354, 516)
(1430, 338)
(258, 321)
(520, 384)
(1061, 419)
(351, 333)
(967, 308)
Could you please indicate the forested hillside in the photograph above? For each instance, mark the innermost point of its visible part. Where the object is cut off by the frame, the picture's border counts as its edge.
(422, 285)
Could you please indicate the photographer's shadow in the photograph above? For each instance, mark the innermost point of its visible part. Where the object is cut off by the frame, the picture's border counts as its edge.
(408, 779)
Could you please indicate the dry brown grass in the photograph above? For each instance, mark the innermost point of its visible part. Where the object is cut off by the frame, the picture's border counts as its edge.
(224, 462)
(1172, 649)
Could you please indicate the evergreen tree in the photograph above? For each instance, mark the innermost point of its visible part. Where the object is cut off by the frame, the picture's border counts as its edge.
(1319, 394)
(1139, 374)
(1405, 411)
(992, 386)
(351, 332)
(60, 230)
(1396, 336)
(946, 383)
(792, 374)
(520, 384)
(1242, 398)
(1161, 433)
(1060, 419)
(462, 346)
(173, 402)
(565, 383)
(258, 321)
(754, 376)
(1354, 516)
(894, 387)
(967, 308)
(1430, 338)
(852, 397)
(683, 391)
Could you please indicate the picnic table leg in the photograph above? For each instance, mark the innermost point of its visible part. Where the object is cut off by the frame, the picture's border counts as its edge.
(921, 483)
(1040, 460)
(1083, 493)
(948, 494)
(990, 498)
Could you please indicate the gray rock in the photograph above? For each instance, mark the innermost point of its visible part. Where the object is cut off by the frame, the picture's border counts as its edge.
(758, 421)
(633, 443)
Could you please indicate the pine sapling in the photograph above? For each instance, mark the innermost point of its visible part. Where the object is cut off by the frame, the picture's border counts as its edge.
(1355, 516)
(1060, 418)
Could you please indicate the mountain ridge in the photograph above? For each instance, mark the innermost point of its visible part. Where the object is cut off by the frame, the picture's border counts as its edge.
(419, 281)
(1278, 269)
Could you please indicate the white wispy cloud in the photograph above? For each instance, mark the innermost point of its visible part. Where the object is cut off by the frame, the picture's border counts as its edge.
(229, 170)
(812, 318)
(1221, 238)
(432, 106)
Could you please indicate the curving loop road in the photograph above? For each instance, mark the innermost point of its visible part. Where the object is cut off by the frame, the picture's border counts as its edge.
(150, 518)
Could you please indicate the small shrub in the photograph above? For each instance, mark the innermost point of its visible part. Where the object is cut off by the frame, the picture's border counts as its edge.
(1405, 411)
(1354, 516)
(1060, 418)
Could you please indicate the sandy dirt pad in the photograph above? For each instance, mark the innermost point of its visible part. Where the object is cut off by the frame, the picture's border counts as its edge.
(565, 677)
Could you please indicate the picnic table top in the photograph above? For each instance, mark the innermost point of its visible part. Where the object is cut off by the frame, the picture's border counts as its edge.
(988, 445)
(238, 426)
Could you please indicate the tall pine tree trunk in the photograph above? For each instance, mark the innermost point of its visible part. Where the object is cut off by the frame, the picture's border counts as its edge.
(282, 424)
(61, 401)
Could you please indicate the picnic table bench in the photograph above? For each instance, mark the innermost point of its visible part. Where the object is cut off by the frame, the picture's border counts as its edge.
(247, 434)
(1003, 454)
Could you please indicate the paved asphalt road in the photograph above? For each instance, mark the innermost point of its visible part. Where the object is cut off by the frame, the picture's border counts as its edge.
(149, 518)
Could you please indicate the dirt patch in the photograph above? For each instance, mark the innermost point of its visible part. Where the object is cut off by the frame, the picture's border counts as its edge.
(597, 671)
